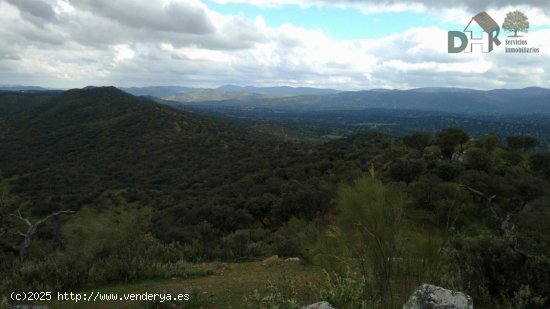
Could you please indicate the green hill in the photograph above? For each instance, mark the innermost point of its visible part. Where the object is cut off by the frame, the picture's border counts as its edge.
(82, 147)
(67, 150)
(153, 187)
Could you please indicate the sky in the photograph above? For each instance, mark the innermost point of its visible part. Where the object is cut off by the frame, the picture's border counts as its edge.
(341, 44)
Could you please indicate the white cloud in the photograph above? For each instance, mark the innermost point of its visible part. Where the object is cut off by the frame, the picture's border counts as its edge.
(196, 54)
(536, 16)
(188, 16)
(123, 52)
(367, 7)
(378, 6)
(137, 43)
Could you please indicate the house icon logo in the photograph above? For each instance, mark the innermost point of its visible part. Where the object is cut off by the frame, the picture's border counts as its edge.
(467, 40)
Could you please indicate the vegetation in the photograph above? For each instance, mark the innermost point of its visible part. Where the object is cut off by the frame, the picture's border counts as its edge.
(336, 123)
(137, 191)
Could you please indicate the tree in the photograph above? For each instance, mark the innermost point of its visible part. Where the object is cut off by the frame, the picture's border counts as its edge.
(540, 163)
(521, 142)
(506, 225)
(407, 170)
(515, 21)
(528, 187)
(447, 171)
(490, 142)
(29, 233)
(8, 227)
(449, 138)
(4, 225)
(418, 140)
(116, 234)
(260, 206)
(478, 159)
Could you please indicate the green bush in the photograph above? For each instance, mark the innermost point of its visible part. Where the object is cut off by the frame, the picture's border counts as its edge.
(277, 296)
(48, 275)
(485, 267)
(4, 304)
(347, 291)
(295, 238)
(102, 247)
(243, 244)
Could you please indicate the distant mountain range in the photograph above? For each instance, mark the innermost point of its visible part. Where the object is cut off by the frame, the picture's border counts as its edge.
(226, 92)
(279, 91)
(19, 88)
(157, 91)
(449, 100)
(532, 100)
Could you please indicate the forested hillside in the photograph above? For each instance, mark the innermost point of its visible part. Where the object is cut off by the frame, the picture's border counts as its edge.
(144, 188)
(75, 149)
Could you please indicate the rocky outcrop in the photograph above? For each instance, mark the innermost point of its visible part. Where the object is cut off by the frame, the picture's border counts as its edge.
(429, 296)
(319, 305)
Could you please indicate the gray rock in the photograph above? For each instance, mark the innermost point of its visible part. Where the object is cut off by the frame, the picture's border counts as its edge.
(319, 305)
(429, 296)
(271, 260)
(293, 259)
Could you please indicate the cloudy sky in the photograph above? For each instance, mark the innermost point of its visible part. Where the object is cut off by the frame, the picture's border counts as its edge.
(343, 44)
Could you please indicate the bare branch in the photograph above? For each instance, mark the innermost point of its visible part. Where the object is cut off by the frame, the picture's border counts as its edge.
(53, 215)
(506, 226)
(20, 217)
(31, 230)
(489, 199)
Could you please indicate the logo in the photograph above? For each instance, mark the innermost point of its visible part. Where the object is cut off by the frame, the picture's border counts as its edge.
(514, 22)
(487, 41)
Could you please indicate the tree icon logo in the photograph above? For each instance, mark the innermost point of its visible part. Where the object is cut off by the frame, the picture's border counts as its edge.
(515, 22)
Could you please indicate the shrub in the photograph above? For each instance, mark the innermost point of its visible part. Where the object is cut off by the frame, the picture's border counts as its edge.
(486, 268)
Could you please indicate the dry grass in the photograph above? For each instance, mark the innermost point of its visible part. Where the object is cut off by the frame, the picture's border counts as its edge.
(225, 288)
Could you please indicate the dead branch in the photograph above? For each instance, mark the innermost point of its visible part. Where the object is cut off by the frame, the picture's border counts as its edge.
(508, 228)
(31, 229)
(489, 199)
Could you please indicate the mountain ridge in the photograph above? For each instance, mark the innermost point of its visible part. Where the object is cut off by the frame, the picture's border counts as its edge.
(449, 100)
(529, 100)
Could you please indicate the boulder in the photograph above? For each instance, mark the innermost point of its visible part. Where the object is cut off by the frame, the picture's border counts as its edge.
(271, 260)
(319, 305)
(429, 296)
